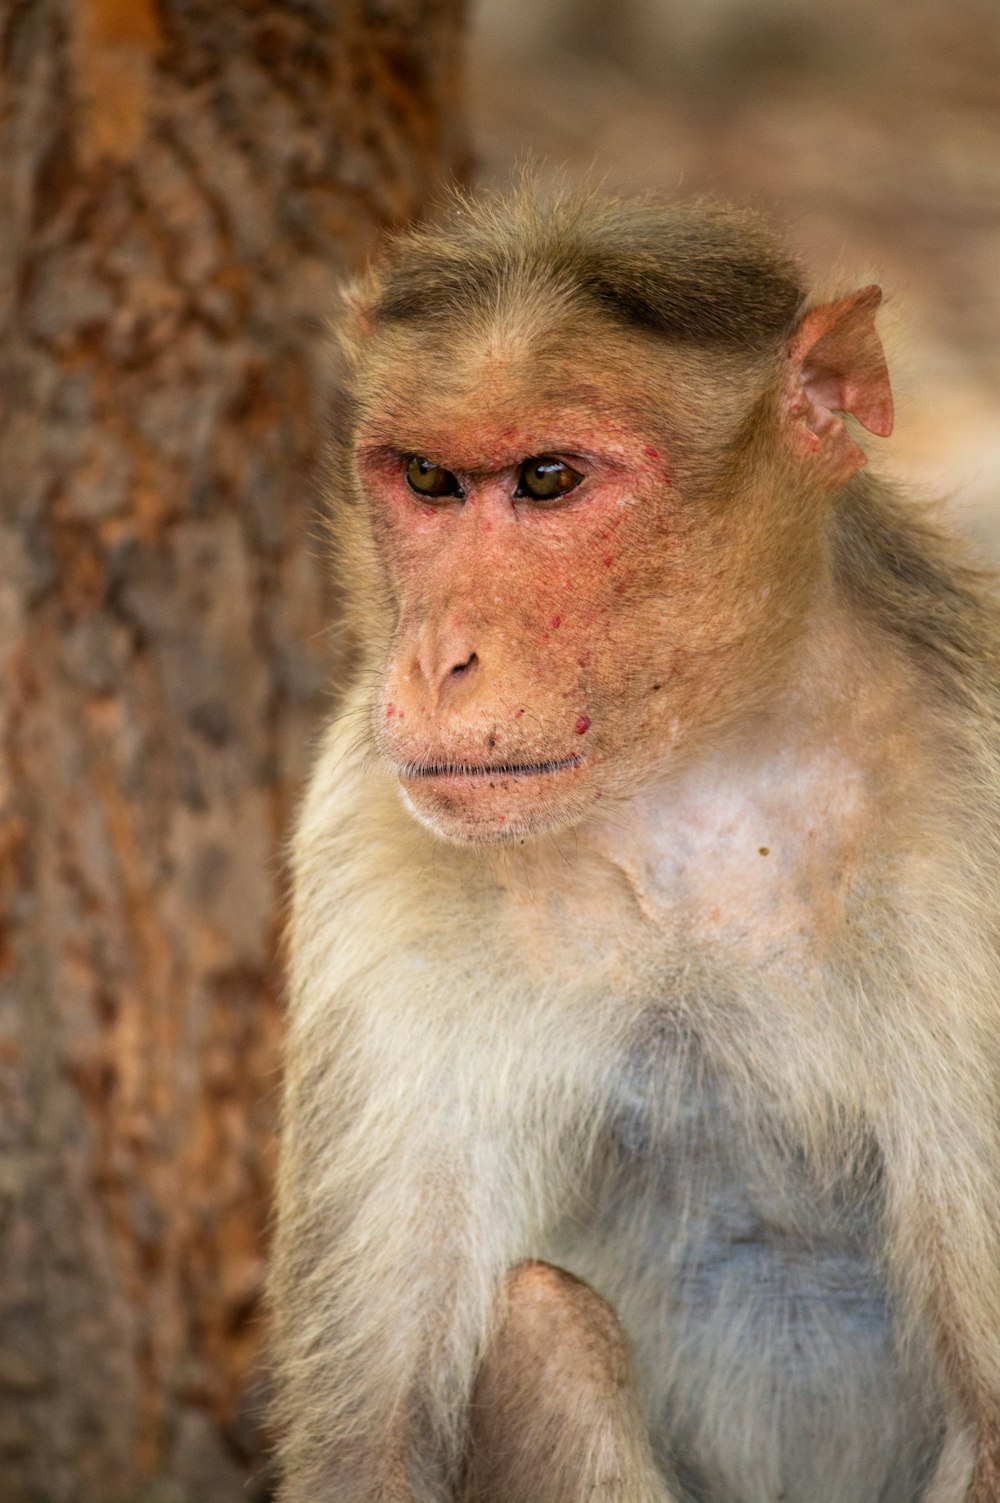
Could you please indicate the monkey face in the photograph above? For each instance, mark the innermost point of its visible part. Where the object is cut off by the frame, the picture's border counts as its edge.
(569, 613)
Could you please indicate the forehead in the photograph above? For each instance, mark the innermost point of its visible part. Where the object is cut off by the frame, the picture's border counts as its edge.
(441, 390)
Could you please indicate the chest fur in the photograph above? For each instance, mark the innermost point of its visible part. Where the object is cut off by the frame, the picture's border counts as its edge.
(749, 1280)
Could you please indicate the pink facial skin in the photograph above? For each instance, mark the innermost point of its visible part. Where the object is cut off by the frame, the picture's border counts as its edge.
(512, 616)
(546, 652)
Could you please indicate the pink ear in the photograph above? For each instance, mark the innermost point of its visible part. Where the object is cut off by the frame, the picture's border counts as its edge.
(836, 364)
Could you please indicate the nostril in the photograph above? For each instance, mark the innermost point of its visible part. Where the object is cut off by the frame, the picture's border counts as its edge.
(461, 668)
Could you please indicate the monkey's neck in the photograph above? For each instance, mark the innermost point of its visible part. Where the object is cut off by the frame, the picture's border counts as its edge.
(757, 846)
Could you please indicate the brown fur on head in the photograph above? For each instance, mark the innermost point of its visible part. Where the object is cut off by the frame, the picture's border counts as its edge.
(525, 648)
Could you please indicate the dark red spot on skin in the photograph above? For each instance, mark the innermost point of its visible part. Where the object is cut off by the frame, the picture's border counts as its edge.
(607, 560)
(651, 453)
(519, 714)
(582, 724)
(390, 711)
(556, 621)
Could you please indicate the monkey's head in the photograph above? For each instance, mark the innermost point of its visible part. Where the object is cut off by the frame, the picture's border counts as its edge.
(584, 476)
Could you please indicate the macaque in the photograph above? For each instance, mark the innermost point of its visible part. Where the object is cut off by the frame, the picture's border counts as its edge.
(642, 1116)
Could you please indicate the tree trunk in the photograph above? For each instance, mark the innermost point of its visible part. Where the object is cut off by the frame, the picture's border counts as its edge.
(182, 183)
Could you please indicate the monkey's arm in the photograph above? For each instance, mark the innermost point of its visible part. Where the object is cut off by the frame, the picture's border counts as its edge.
(555, 1416)
(940, 1133)
(379, 1306)
(946, 1234)
(377, 1295)
(416, 1367)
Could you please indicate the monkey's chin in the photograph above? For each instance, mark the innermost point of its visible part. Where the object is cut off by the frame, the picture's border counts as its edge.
(484, 806)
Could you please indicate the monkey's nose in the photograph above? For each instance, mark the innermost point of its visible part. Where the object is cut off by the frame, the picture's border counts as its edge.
(447, 667)
(457, 669)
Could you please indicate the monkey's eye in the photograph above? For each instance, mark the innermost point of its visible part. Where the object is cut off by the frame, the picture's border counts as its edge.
(429, 479)
(545, 479)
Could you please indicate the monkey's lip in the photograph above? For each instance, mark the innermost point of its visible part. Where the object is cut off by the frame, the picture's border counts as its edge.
(487, 769)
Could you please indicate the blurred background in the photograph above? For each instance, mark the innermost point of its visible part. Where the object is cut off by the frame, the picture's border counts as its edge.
(182, 187)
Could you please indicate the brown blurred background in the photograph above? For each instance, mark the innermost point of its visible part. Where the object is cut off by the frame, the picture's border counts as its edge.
(181, 187)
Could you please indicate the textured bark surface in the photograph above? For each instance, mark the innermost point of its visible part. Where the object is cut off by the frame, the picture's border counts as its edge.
(180, 184)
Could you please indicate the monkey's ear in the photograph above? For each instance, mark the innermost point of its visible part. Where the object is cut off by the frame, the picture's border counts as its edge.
(836, 365)
(352, 322)
(355, 298)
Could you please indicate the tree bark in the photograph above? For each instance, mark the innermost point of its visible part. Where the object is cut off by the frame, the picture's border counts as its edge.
(181, 184)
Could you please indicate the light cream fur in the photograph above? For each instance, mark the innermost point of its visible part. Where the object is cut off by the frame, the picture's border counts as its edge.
(803, 914)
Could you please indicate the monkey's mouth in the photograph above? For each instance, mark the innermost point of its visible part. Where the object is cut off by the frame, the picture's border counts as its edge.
(487, 769)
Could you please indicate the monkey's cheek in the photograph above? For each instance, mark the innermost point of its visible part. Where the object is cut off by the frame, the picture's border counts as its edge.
(490, 810)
